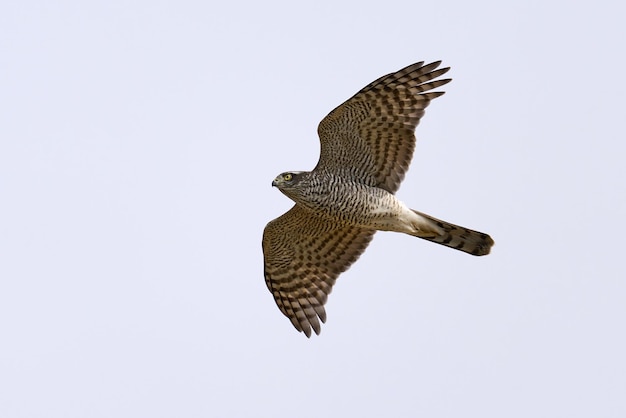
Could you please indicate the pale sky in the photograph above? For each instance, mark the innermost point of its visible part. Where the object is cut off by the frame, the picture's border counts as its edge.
(138, 142)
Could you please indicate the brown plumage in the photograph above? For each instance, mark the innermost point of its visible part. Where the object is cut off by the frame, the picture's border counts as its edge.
(366, 147)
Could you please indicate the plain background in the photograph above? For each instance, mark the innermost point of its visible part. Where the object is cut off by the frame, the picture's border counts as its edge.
(138, 141)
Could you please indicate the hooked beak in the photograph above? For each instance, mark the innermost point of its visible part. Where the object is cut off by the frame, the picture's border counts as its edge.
(274, 183)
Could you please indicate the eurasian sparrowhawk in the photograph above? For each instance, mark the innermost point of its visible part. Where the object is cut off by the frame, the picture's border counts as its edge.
(366, 146)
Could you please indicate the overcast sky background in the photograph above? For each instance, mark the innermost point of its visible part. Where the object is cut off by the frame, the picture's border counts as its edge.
(138, 141)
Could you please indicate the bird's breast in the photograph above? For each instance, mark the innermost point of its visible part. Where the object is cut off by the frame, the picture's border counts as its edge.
(350, 203)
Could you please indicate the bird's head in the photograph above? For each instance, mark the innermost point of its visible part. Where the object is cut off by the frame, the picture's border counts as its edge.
(289, 183)
(287, 180)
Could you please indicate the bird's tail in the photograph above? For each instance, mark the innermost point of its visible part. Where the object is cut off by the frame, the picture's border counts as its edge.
(457, 237)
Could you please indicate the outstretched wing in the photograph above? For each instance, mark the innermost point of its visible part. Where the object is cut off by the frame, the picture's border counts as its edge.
(372, 133)
(303, 256)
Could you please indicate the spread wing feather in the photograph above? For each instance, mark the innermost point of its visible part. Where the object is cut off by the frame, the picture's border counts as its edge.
(372, 133)
(304, 254)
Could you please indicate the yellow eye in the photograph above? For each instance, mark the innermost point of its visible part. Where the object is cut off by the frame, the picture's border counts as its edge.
(288, 177)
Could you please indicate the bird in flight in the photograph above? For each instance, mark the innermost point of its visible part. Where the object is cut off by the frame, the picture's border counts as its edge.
(366, 147)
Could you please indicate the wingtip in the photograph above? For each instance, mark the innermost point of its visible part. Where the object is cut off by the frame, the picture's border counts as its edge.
(307, 329)
(434, 67)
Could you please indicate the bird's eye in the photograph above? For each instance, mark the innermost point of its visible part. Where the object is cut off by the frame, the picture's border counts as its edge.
(288, 177)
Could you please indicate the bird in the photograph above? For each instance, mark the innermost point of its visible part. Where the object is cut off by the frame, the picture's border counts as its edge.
(367, 144)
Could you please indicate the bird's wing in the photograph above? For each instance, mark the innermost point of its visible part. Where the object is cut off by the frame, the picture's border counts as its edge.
(372, 133)
(303, 256)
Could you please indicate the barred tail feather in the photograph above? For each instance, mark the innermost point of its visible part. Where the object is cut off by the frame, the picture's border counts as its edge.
(458, 237)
